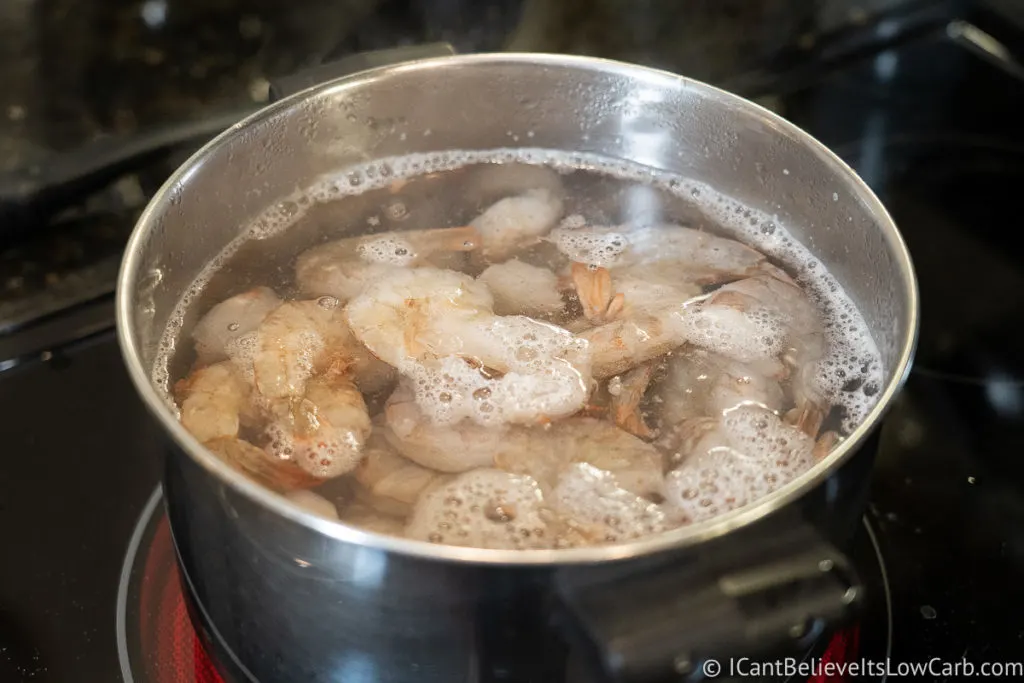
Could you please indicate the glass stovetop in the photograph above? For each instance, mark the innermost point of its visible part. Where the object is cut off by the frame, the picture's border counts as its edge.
(931, 126)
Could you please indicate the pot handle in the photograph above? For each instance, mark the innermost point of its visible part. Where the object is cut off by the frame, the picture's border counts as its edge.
(680, 619)
(354, 63)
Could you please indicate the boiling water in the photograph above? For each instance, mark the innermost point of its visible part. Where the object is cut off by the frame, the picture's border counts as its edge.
(488, 507)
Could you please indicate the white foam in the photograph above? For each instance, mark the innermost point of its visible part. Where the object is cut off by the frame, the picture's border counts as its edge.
(485, 508)
(593, 497)
(749, 454)
(598, 247)
(719, 329)
(544, 375)
(387, 250)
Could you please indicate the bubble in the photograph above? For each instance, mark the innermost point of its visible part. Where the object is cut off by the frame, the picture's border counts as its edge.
(396, 211)
(328, 302)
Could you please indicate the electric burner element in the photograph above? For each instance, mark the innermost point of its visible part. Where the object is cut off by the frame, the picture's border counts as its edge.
(157, 642)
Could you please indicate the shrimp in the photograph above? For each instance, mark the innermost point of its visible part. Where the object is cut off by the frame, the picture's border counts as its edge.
(605, 299)
(700, 383)
(671, 254)
(623, 344)
(364, 518)
(755, 320)
(214, 402)
(343, 267)
(301, 338)
(391, 483)
(444, 448)
(439, 329)
(652, 266)
(541, 452)
(484, 508)
(314, 503)
(221, 327)
(514, 223)
(324, 430)
(411, 316)
(759, 319)
(489, 181)
(592, 502)
(664, 254)
(544, 454)
(274, 473)
(520, 288)
(733, 460)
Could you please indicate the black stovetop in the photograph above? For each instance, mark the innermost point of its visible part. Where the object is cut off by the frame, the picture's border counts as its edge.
(931, 125)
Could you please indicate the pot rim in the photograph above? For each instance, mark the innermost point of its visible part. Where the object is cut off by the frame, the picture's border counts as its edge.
(686, 536)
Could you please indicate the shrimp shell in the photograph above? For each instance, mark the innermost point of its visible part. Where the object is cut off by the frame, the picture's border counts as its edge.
(274, 473)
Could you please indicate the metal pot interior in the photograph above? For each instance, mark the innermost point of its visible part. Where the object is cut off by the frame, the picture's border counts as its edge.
(485, 102)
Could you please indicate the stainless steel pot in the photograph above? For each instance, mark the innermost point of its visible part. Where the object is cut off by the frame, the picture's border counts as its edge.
(286, 596)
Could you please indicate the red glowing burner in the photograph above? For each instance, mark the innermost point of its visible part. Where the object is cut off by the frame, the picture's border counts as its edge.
(168, 636)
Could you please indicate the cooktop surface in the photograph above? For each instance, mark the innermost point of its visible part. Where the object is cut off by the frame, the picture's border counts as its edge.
(930, 119)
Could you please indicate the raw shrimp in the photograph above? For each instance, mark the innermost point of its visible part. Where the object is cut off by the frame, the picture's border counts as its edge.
(619, 271)
(663, 254)
(523, 289)
(593, 502)
(221, 327)
(735, 459)
(700, 383)
(541, 452)
(514, 223)
(215, 404)
(484, 508)
(445, 448)
(300, 338)
(215, 401)
(545, 453)
(343, 267)
(756, 320)
(605, 299)
(365, 518)
(275, 473)
(762, 318)
(625, 343)
(315, 503)
(324, 430)
(491, 181)
(438, 328)
(391, 483)
(410, 316)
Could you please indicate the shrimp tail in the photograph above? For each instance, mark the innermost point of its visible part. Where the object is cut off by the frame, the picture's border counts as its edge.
(808, 418)
(594, 289)
(824, 445)
(626, 405)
